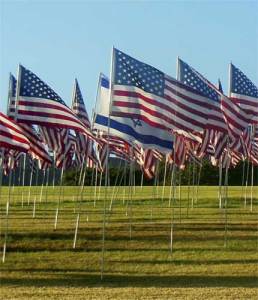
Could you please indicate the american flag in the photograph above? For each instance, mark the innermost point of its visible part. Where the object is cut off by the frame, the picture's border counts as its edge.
(216, 125)
(225, 116)
(78, 106)
(244, 93)
(180, 151)
(39, 104)
(189, 76)
(37, 148)
(52, 137)
(10, 160)
(142, 92)
(11, 135)
(65, 157)
(84, 143)
(151, 158)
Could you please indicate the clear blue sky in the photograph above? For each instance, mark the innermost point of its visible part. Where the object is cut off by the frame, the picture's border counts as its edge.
(61, 40)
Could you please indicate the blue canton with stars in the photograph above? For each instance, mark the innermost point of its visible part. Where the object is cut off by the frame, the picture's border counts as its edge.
(192, 78)
(241, 84)
(13, 82)
(33, 86)
(131, 72)
(78, 94)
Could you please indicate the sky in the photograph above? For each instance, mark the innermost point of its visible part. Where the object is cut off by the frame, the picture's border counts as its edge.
(63, 40)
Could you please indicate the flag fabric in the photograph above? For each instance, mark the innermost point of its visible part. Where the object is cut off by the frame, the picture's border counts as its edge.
(141, 91)
(85, 144)
(151, 158)
(244, 93)
(10, 159)
(12, 136)
(225, 116)
(52, 137)
(189, 76)
(39, 104)
(37, 148)
(78, 106)
(216, 125)
(133, 130)
(220, 86)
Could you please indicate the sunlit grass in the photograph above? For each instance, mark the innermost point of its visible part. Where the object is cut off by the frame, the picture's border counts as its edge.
(214, 249)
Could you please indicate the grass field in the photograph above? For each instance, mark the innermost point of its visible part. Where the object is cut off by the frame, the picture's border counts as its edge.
(214, 251)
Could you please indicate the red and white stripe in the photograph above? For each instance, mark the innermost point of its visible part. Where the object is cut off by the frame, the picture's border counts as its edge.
(48, 113)
(12, 135)
(181, 108)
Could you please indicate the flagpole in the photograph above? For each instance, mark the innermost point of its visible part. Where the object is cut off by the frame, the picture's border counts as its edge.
(243, 179)
(59, 197)
(80, 205)
(164, 179)
(188, 187)
(252, 184)
(7, 216)
(246, 182)
(220, 183)
(23, 176)
(1, 173)
(252, 174)
(114, 187)
(107, 159)
(31, 174)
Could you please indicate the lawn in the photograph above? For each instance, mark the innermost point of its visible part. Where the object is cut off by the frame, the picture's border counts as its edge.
(213, 254)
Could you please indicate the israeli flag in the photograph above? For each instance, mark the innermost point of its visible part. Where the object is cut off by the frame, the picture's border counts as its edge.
(131, 130)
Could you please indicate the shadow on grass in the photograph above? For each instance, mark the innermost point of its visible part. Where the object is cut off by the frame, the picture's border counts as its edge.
(117, 281)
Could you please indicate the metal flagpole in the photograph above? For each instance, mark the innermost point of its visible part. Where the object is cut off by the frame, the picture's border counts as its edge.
(252, 175)
(220, 183)
(1, 173)
(59, 197)
(198, 181)
(31, 174)
(141, 180)
(35, 189)
(243, 180)
(7, 215)
(79, 208)
(173, 180)
(23, 177)
(252, 184)
(114, 187)
(171, 184)
(47, 184)
(188, 187)
(100, 185)
(42, 185)
(172, 211)
(246, 182)
(154, 191)
(179, 193)
(226, 206)
(164, 179)
(54, 169)
(96, 182)
(130, 195)
(193, 183)
(125, 172)
(107, 167)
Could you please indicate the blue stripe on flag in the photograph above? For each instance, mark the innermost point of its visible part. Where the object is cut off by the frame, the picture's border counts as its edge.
(145, 139)
(104, 82)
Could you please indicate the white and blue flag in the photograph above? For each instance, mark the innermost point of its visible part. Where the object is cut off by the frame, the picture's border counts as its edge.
(129, 129)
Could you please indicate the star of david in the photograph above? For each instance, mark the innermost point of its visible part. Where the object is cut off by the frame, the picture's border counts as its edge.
(136, 122)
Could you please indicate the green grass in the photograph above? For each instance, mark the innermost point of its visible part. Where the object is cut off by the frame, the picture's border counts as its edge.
(138, 264)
